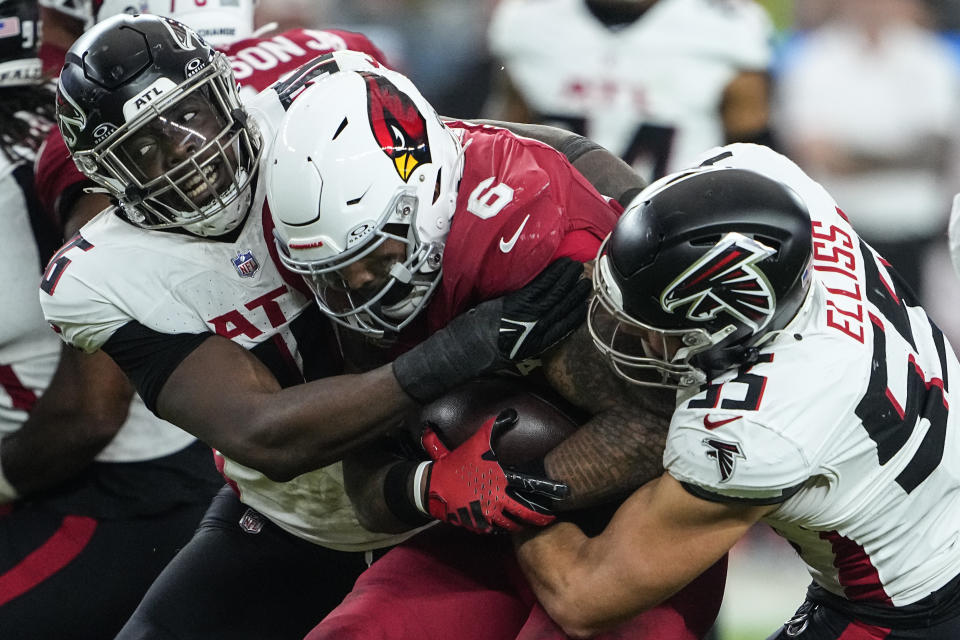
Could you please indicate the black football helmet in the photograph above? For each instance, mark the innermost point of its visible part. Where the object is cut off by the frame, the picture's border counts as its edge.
(151, 113)
(20, 25)
(698, 272)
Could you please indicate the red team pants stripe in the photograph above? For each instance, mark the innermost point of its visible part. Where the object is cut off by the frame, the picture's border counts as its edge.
(53, 555)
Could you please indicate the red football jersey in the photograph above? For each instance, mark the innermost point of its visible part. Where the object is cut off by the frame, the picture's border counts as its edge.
(520, 206)
(257, 63)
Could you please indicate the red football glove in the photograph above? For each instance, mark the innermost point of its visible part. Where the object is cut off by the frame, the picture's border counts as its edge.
(468, 487)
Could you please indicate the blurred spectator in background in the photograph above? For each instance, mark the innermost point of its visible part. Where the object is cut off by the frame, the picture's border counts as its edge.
(867, 104)
(440, 45)
(655, 81)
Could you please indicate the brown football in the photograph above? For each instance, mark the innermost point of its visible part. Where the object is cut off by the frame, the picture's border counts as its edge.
(544, 419)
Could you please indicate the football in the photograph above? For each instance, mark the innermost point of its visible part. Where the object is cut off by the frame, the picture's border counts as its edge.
(544, 420)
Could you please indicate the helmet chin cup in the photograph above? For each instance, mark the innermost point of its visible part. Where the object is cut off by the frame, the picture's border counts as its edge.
(227, 219)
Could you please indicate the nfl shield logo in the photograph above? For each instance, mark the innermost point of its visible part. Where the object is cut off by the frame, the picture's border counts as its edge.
(251, 521)
(246, 264)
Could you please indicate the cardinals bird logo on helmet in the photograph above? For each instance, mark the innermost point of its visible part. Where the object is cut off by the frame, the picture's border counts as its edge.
(397, 125)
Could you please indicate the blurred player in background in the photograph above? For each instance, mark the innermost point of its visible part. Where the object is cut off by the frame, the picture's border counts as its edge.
(813, 394)
(655, 81)
(847, 105)
(953, 234)
(94, 489)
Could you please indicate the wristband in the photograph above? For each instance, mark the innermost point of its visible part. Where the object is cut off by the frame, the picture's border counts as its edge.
(8, 493)
(422, 468)
(396, 493)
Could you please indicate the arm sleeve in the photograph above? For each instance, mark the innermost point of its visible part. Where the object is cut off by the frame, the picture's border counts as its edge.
(148, 357)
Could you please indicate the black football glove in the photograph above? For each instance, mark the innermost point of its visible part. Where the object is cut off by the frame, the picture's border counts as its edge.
(496, 333)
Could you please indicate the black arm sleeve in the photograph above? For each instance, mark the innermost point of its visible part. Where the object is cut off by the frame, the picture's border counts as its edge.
(574, 146)
(148, 357)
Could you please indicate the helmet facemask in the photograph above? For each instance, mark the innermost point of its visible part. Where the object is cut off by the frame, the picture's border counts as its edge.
(701, 270)
(407, 272)
(638, 352)
(187, 161)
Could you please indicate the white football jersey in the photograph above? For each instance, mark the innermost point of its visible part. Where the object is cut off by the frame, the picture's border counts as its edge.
(846, 412)
(114, 273)
(953, 233)
(649, 91)
(29, 351)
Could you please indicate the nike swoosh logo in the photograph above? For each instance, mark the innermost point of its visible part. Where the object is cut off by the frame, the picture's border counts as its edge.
(524, 327)
(507, 245)
(713, 424)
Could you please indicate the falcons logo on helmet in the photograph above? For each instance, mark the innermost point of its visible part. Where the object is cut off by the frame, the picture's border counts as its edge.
(726, 454)
(398, 126)
(726, 279)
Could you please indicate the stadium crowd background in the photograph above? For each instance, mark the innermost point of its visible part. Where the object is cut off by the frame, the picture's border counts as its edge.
(765, 584)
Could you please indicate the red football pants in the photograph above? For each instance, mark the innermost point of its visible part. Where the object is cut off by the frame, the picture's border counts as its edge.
(447, 583)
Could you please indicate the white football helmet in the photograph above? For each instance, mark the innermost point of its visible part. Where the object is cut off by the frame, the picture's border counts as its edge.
(219, 22)
(362, 158)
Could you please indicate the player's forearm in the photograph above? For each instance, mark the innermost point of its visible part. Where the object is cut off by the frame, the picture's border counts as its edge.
(226, 397)
(559, 563)
(592, 584)
(609, 456)
(302, 428)
(332, 417)
(82, 409)
(43, 453)
(375, 480)
(621, 446)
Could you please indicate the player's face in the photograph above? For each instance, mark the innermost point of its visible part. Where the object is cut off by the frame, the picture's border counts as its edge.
(368, 275)
(656, 344)
(174, 136)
